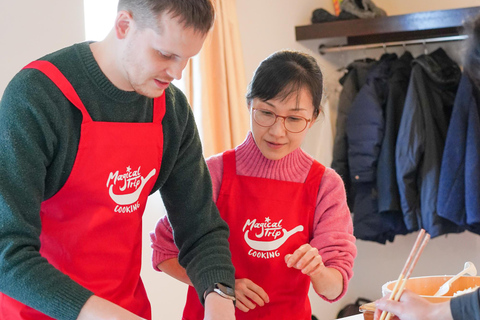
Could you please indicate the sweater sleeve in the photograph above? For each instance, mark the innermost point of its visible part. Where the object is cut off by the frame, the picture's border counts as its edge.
(163, 244)
(466, 306)
(200, 234)
(30, 124)
(333, 228)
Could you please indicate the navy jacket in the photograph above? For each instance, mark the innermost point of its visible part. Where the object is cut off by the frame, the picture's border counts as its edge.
(352, 81)
(421, 140)
(365, 132)
(459, 188)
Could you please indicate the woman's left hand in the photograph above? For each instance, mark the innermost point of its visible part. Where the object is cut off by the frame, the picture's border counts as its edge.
(307, 259)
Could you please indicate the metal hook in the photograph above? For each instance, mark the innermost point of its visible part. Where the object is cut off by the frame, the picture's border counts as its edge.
(385, 48)
(425, 50)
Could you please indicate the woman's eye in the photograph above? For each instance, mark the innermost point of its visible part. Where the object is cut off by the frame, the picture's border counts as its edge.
(294, 119)
(267, 113)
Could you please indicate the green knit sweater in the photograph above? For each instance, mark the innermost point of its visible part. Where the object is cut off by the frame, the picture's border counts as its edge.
(39, 135)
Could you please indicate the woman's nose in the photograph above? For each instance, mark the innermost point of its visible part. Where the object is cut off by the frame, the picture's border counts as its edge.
(278, 126)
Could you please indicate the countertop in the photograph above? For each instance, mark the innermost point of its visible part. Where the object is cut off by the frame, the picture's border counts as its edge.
(355, 317)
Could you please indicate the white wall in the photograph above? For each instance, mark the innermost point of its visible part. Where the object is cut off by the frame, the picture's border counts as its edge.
(268, 25)
(30, 29)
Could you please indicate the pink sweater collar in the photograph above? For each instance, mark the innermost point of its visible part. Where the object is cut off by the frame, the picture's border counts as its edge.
(251, 162)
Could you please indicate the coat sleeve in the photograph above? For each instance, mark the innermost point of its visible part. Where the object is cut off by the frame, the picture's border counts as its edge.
(408, 154)
(451, 186)
(466, 306)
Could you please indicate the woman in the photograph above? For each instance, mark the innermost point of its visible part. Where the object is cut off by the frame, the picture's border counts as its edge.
(289, 221)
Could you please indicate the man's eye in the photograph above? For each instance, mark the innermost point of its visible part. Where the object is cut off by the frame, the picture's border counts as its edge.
(166, 56)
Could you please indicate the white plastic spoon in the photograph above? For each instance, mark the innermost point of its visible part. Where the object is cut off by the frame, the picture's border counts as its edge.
(469, 268)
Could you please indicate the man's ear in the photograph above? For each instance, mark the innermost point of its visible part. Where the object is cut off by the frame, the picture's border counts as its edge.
(123, 23)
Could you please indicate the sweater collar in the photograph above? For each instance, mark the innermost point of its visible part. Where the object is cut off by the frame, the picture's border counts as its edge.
(99, 79)
(251, 162)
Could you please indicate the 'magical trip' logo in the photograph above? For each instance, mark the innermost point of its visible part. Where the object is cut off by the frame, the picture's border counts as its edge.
(269, 237)
(128, 187)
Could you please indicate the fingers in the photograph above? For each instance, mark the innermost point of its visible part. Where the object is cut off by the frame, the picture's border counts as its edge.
(387, 305)
(249, 295)
(400, 308)
(306, 259)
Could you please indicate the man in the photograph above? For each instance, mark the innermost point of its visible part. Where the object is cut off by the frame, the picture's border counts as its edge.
(86, 134)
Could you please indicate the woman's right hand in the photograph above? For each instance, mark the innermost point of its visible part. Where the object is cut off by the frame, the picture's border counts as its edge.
(249, 295)
(97, 308)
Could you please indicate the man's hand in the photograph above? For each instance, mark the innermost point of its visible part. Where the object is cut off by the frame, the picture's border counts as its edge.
(97, 308)
(218, 308)
(249, 295)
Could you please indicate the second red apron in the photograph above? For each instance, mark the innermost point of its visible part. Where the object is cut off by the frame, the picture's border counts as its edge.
(268, 219)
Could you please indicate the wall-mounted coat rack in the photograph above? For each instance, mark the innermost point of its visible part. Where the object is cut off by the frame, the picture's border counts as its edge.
(420, 27)
(322, 49)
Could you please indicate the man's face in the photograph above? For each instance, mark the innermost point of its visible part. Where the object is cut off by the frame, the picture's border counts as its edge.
(151, 59)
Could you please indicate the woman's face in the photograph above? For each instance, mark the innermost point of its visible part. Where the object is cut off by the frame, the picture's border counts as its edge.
(275, 142)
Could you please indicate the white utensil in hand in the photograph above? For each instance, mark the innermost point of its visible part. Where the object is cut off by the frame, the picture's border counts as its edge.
(469, 268)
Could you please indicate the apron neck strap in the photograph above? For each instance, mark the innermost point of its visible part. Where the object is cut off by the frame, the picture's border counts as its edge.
(52, 72)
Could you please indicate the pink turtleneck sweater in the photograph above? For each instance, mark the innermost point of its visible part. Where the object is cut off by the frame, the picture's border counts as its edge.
(333, 228)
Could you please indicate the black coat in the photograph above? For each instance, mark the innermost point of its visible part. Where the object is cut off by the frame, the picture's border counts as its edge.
(388, 196)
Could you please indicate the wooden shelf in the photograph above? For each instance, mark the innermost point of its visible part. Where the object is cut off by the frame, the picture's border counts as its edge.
(414, 26)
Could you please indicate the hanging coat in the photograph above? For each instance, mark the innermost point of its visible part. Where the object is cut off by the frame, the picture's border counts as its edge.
(365, 131)
(388, 196)
(421, 139)
(459, 187)
(351, 82)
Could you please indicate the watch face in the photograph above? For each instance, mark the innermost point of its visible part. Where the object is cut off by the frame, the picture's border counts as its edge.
(226, 290)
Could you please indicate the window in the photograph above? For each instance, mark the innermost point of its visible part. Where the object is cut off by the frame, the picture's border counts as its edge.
(99, 18)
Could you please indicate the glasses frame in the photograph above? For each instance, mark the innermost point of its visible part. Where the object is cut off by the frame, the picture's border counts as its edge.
(284, 119)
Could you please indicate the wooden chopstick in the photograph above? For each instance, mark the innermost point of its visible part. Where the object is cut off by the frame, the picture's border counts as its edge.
(407, 270)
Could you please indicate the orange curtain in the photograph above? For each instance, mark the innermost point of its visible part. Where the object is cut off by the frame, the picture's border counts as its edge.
(216, 85)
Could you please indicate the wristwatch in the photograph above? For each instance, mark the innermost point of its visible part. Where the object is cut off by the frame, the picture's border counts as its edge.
(223, 290)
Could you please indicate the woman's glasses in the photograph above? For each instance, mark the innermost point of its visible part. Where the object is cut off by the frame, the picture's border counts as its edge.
(266, 118)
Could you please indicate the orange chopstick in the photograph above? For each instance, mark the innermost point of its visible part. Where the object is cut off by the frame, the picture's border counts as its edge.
(407, 270)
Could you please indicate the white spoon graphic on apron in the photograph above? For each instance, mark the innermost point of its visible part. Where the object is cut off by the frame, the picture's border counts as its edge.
(271, 245)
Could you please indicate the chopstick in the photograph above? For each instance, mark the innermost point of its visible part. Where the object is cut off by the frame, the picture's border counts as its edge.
(412, 259)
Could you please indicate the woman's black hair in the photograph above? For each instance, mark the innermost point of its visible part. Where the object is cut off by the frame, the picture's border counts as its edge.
(284, 73)
(472, 54)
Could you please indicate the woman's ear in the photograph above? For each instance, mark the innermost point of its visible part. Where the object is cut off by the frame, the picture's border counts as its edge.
(123, 23)
(315, 118)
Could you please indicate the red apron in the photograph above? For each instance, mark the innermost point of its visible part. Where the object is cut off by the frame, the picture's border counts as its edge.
(268, 219)
(92, 227)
